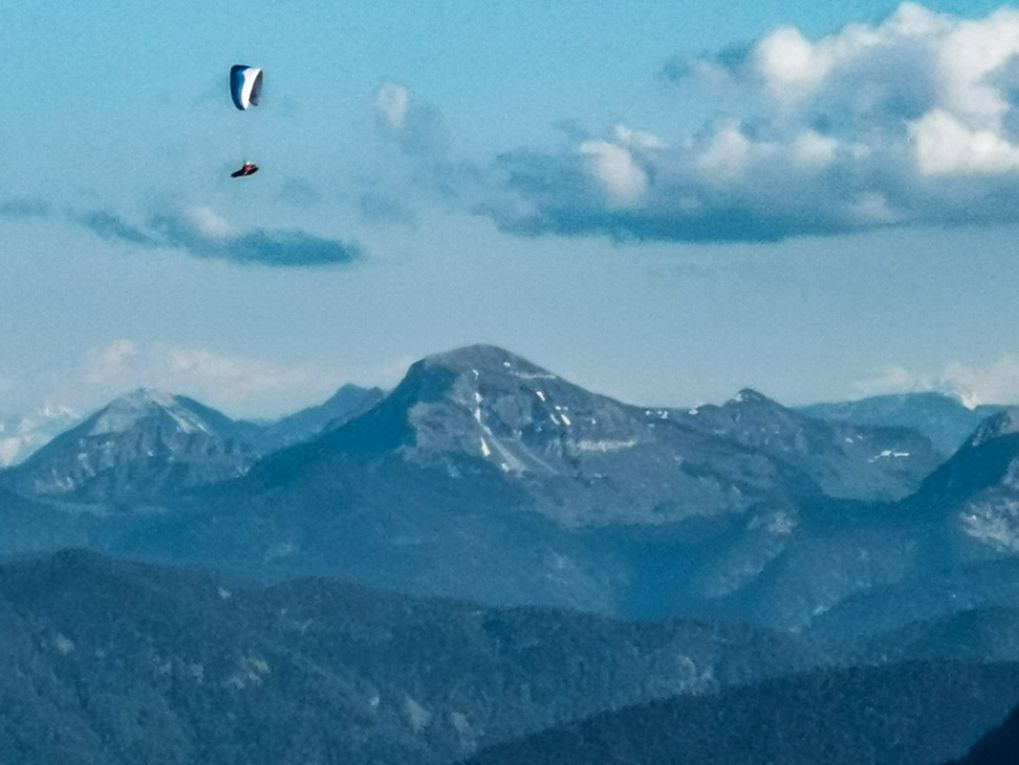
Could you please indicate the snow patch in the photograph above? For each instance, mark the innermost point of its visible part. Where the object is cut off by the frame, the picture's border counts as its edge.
(603, 446)
(484, 449)
(889, 454)
(418, 717)
(535, 375)
(540, 394)
(63, 644)
(995, 523)
(251, 670)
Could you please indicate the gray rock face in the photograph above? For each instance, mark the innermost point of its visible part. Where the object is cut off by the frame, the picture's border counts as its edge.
(865, 462)
(143, 446)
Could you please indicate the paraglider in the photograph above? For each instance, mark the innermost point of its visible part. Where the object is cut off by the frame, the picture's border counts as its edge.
(245, 92)
(248, 168)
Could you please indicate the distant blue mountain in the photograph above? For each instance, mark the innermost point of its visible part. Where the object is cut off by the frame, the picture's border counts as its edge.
(348, 402)
(943, 419)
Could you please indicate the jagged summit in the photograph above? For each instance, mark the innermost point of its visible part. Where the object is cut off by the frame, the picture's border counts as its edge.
(144, 444)
(124, 413)
(1004, 423)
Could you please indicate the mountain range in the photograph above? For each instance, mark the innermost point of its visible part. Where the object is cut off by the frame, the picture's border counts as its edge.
(485, 476)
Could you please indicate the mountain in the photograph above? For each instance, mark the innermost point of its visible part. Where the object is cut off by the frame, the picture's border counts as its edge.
(108, 661)
(141, 447)
(950, 547)
(911, 713)
(348, 402)
(988, 633)
(869, 462)
(999, 747)
(22, 435)
(976, 492)
(585, 459)
(943, 419)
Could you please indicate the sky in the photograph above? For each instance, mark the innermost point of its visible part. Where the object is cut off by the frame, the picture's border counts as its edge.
(661, 201)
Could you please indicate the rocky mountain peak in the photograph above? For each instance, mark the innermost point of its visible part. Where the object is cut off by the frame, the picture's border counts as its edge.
(126, 412)
(1004, 423)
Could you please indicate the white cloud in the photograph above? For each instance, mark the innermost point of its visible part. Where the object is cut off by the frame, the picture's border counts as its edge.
(637, 139)
(241, 385)
(790, 65)
(910, 121)
(614, 166)
(727, 154)
(995, 383)
(813, 150)
(945, 146)
(209, 223)
(392, 103)
(233, 381)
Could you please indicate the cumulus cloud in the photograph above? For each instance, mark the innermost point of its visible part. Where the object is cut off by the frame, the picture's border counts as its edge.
(622, 178)
(995, 383)
(203, 233)
(911, 121)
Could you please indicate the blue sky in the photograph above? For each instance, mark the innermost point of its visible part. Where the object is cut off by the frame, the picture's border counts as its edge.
(665, 202)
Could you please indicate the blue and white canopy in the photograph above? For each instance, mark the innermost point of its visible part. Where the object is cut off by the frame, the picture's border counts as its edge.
(245, 85)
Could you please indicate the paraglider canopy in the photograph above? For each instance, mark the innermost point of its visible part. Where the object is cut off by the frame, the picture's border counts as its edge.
(245, 85)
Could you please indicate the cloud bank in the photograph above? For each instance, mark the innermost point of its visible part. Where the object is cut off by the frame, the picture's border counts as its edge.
(913, 121)
(995, 383)
(202, 233)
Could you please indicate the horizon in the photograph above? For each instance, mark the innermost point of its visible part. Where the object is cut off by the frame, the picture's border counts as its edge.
(55, 410)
